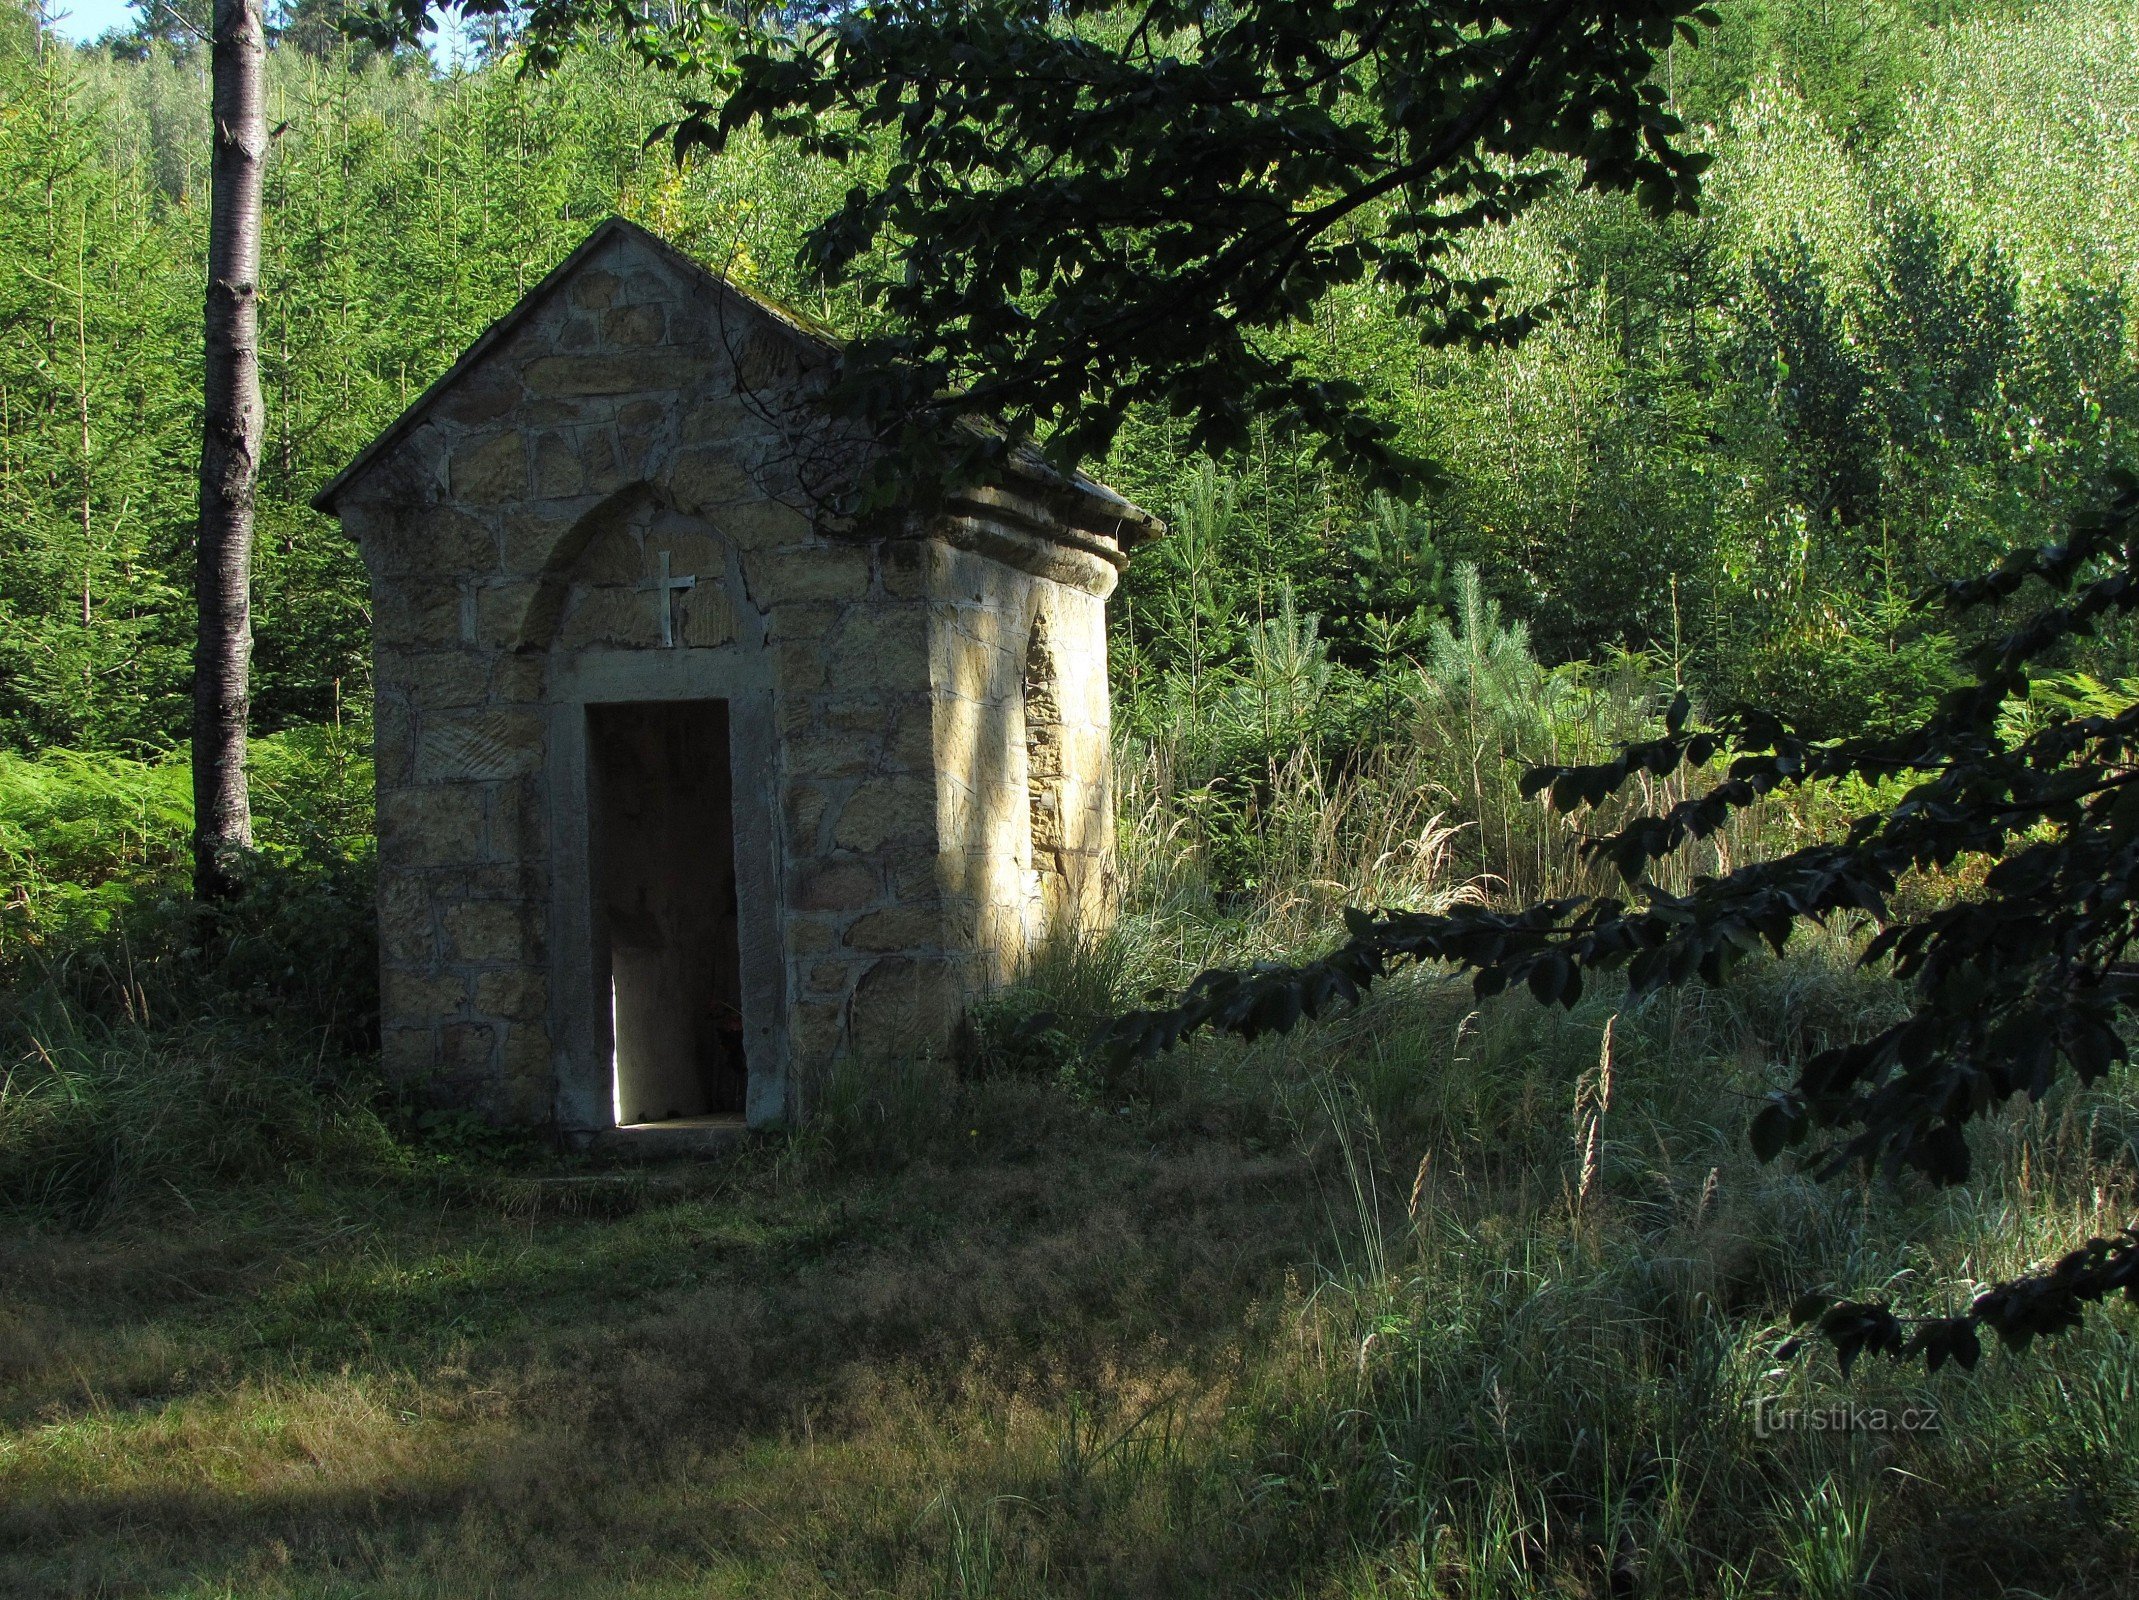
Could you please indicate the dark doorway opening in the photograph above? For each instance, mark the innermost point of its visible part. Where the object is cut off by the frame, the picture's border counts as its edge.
(666, 955)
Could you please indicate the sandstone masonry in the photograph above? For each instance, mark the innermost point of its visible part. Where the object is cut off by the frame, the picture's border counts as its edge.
(607, 502)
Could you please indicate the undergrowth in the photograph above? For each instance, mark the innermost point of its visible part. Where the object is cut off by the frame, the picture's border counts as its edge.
(1434, 1299)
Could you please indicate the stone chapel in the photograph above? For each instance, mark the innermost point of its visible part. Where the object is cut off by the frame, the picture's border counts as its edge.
(683, 793)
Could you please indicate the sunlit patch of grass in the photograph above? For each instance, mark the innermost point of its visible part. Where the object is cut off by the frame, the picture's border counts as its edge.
(1411, 1304)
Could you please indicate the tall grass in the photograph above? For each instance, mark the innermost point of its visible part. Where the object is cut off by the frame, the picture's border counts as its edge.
(149, 1045)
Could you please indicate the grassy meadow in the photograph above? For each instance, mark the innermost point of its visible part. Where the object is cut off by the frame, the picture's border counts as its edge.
(1433, 1299)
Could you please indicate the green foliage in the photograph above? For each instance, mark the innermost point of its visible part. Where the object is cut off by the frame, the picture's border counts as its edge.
(1064, 212)
(2013, 988)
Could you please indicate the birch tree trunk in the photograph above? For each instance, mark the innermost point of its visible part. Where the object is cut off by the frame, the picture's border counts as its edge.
(230, 448)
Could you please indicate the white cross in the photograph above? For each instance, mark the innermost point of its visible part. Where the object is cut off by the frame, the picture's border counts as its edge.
(665, 590)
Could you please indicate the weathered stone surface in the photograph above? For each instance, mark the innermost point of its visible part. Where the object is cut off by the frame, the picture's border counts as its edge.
(404, 919)
(416, 611)
(431, 825)
(838, 885)
(467, 1047)
(518, 993)
(560, 468)
(595, 288)
(501, 612)
(474, 746)
(419, 993)
(490, 930)
(705, 480)
(487, 471)
(896, 928)
(885, 811)
(525, 1054)
(439, 539)
(531, 538)
(618, 374)
(904, 1005)
(611, 617)
(440, 680)
(704, 618)
(633, 327)
(410, 1052)
(806, 806)
(762, 525)
(918, 725)
(816, 572)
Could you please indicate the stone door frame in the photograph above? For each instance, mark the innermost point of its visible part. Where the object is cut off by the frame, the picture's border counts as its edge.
(581, 1049)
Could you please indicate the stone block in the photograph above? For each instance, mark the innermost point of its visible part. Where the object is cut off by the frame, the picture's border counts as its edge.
(896, 928)
(526, 1056)
(410, 1052)
(521, 994)
(479, 397)
(595, 290)
(480, 746)
(404, 992)
(499, 931)
(919, 872)
(811, 936)
(568, 375)
(903, 1005)
(767, 359)
(877, 646)
(975, 671)
(614, 555)
(431, 824)
(806, 806)
(531, 538)
(692, 553)
(825, 752)
(820, 1026)
(489, 471)
(607, 466)
(439, 541)
(501, 612)
(798, 667)
(519, 679)
(884, 811)
(437, 680)
(706, 479)
(810, 622)
(636, 327)
(467, 1047)
(837, 885)
(405, 919)
(912, 746)
(623, 617)
(704, 618)
(823, 571)
(559, 469)
(907, 566)
(830, 977)
(719, 422)
(763, 525)
(415, 611)
(529, 1091)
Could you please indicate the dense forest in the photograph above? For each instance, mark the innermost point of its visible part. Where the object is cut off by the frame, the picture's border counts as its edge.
(1894, 340)
(1368, 1311)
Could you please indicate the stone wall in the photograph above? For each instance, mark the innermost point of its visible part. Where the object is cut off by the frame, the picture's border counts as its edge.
(634, 428)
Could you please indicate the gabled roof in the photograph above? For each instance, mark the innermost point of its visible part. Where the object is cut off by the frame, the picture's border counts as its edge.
(802, 329)
(1133, 524)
